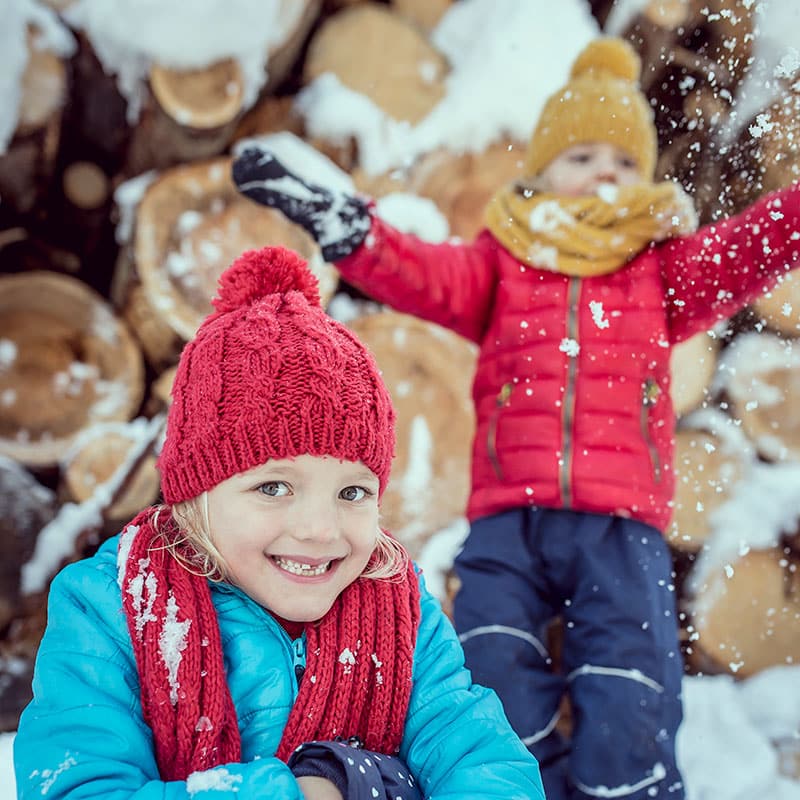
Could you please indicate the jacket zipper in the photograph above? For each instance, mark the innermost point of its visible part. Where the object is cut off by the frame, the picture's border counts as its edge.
(491, 435)
(299, 659)
(650, 394)
(568, 414)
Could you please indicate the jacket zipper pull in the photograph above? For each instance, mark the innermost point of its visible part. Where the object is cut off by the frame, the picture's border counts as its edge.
(299, 659)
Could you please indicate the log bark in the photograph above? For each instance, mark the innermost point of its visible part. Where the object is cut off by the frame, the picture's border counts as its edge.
(191, 224)
(27, 506)
(747, 617)
(374, 51)
(694, 56)
(68, 363)
(428, 371)
(28, 164)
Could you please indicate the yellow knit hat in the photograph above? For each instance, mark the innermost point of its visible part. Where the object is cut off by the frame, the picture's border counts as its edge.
(601, 102)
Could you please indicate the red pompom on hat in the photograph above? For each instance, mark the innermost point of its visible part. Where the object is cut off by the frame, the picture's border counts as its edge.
(270, 375)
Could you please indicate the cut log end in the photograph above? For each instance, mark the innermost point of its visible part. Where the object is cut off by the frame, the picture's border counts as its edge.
(428, 371)
(747, 617)
(200, 98)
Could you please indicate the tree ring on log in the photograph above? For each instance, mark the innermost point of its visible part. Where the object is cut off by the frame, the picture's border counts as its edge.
(199, 98)
(94, 458)
(191, 225)
(66, 362)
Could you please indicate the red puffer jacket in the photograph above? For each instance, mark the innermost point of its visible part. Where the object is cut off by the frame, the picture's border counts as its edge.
(572, 384)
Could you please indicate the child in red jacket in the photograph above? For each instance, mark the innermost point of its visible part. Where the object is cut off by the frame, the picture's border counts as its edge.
(586, 276)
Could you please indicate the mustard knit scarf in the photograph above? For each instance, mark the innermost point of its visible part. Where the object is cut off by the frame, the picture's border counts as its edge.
(587, 236)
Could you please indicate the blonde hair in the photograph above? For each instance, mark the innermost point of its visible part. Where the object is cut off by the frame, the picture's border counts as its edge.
(196, 550)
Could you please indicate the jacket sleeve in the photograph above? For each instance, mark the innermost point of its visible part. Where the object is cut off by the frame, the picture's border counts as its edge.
(458, 741)
(722, 267)
(83, 735)
(451, 284)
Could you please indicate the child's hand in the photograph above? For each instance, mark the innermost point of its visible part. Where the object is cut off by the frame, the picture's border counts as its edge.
(315, 788)
(337, 222)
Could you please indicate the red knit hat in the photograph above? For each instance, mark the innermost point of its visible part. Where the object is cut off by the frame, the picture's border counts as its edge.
(270, 375)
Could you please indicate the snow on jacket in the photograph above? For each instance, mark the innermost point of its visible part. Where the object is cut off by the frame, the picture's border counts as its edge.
(83, 735)
(572, 384)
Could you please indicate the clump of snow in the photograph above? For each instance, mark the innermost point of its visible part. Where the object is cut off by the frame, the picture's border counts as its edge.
(172, 641)
(438, 553)
(411, 213)
(762, 506)
(726, 744)
(417, 479)
(127, 197)
(500, 93)
(300, 158)
(212, 780)
(165, 34)
(51, 34)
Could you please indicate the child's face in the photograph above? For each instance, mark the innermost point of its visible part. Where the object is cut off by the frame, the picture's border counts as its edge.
(583, 168)
(295, 532)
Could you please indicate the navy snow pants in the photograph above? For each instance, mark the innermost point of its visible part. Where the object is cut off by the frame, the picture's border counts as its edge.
(609, 579)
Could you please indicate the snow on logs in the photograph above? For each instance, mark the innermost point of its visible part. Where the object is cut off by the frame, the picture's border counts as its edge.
(358, 43)
(146, 107)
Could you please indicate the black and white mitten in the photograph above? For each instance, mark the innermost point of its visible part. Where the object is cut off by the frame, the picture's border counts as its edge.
(337, 221)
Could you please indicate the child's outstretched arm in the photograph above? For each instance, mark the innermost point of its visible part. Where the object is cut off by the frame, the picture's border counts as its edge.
(451, 284)
(83, 735)
(716, 271)
(458, 742)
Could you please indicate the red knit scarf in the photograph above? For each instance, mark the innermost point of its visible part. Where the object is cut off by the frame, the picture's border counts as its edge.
(360, 655)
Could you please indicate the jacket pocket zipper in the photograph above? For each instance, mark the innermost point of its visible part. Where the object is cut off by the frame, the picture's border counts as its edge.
(491, 444)
(650, 394)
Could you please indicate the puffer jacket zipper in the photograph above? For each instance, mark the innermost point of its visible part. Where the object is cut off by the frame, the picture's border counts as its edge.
(650, 394)
(299, 659)
(502, 398)
(568, 411)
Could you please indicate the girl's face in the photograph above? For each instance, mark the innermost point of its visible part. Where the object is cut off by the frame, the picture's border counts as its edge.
(583, 168)
(295, 532)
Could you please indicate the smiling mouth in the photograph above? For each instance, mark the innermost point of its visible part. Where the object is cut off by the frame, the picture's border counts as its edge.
(299, 568)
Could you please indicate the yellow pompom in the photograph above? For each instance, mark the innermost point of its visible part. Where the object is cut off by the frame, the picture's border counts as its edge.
(610, 56)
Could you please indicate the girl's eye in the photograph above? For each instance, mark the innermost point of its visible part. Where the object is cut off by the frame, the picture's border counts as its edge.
(274, 489)
(579, 158)
(627, 163)
(354, 493)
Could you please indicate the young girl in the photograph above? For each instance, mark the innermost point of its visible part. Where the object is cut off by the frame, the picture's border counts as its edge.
(587, 274)
(259, 634)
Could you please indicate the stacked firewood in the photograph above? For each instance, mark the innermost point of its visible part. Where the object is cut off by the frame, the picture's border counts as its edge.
(115, 227)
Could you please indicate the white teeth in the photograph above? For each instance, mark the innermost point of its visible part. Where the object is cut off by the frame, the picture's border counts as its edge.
(302, 569)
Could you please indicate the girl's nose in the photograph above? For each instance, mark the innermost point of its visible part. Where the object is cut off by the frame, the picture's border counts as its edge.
(315, 524)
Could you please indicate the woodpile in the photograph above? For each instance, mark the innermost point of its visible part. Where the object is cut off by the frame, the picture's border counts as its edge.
(114, 228)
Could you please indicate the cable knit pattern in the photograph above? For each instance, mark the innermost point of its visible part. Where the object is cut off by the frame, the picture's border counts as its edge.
(360, 655)
(270, 375)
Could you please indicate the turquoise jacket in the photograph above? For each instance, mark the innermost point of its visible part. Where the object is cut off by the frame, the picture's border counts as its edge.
(83, 735)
